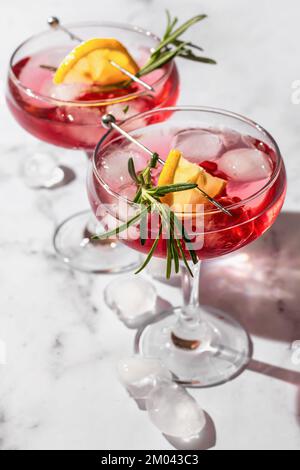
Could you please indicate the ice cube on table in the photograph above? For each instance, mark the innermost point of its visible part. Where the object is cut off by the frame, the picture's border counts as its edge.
(40, 170)
(133, 299)
(198, 144)
(245, 165)
(141, 374)
(174, 412)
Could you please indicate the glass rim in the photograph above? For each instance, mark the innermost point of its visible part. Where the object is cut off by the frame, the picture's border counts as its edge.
(273, 177)
(125, 98)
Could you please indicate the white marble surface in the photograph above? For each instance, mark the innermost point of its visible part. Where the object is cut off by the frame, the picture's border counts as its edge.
(58, 389)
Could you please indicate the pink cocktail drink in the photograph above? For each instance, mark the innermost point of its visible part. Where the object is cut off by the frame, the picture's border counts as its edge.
(244, 162)
(70, 115)
(202, 347)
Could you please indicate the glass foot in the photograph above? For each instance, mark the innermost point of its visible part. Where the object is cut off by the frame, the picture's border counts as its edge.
(74, 245)
(222, 356)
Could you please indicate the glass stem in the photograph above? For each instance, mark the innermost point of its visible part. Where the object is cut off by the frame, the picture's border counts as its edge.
(191, 286)
(190, 331)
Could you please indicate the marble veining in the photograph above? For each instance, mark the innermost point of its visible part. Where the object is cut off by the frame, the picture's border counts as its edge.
(58, 388)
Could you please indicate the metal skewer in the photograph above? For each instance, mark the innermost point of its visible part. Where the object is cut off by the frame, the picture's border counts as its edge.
(109, 122)
(130, 75)
(54, 23)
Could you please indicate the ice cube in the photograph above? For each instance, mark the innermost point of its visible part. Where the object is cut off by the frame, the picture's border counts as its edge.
(114, 166)
(41, 171)
(245, 165)
(140, 375)
(198, 144)
(133, 300)
(253, 143)
(85, 116)
(174, 412)
(64, 92)
(230, 138)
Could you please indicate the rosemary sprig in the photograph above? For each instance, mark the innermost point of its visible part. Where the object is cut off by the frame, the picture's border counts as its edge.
(171, 46)
(148, 197)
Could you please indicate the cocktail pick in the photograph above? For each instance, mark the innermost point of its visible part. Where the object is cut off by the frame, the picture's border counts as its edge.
(54, 23)
(131, 75)
(109, 122)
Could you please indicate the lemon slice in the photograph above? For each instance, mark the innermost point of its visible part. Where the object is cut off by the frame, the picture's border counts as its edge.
(89, 63)
(176, 170)
(168, 174)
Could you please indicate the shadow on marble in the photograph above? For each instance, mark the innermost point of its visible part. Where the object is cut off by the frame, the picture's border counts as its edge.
(286, 375)
(68, 176)
(162, 306)
(140, 402)
(205, 440)
(289, 376)
(259, 284)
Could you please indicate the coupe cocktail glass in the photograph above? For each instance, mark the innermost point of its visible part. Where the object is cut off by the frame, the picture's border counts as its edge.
(200, 346)
(70, 116)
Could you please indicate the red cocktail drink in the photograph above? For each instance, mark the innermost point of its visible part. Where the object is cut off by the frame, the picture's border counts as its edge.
(70, 115)
(244, 162)
(201, 347)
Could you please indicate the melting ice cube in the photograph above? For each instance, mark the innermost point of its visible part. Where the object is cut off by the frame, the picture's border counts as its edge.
(198, 144)
(70, 92)
(41, 171)
(133, 300)
(174, 412)
(140, 375)
(230, 138)
(245, 165)
(114, 166)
